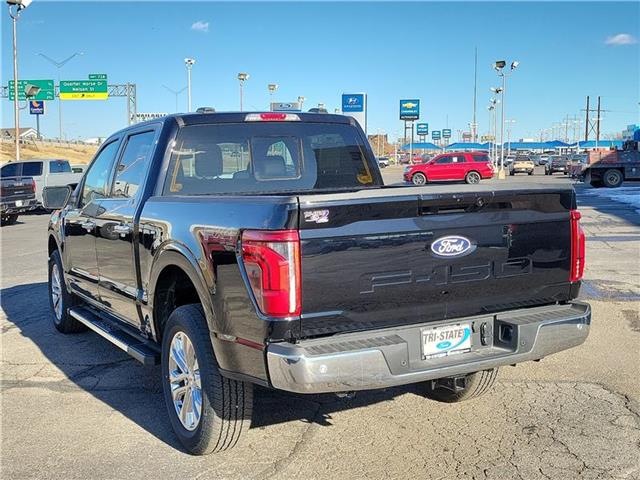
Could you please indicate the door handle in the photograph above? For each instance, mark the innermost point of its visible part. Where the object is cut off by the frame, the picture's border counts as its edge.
(89, 225)
(123, 229)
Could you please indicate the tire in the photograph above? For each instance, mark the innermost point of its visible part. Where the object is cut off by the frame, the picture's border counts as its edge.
(60, 300)
(512, 173)
(612, 178)
(478, 384)
(419, 179)
(472, 178)
(531, 173)
(225, 404)
(10, 219)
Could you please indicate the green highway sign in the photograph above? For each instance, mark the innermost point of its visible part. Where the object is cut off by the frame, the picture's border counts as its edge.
(97, 76)
(46, 89)
(83, 90)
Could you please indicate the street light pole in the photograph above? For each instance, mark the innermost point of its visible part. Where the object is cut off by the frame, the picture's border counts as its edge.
(499, 66)
(510, 122)
(16, 110)
(189, 63)
(272, 87)
(176, 93)
(242, 77)
(59, 66)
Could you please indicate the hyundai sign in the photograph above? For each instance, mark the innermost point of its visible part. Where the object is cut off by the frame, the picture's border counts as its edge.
(422, 129)
(410, 109)
(352, 102)
(355, 105)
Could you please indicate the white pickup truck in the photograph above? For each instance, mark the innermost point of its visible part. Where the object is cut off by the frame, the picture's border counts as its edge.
(45, 172)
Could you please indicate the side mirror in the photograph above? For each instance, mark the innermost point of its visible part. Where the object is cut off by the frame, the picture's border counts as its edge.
(55, 198)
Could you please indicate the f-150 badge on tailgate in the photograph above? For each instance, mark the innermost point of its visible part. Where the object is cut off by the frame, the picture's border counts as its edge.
(452, 246)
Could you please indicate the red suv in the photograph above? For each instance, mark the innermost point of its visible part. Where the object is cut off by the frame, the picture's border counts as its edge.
(470, 167)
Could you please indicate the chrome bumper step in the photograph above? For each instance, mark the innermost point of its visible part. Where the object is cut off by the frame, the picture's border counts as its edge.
(389, 357)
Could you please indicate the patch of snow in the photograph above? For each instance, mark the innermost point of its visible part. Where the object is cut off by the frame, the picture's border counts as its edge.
(628, 195)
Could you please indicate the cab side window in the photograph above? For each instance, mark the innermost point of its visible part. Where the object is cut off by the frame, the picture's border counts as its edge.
(442, 160)
(97, 178)
(133, 165)
(32, 169)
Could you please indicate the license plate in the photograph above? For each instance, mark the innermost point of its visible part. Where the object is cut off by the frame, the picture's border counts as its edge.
(18, 203)
(446, 340)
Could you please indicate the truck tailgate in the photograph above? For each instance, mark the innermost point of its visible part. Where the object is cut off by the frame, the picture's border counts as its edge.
(396, 256)
(17, 188)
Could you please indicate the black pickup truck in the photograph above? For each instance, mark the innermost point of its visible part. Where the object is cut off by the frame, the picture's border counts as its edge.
(264, 249)
(17, 194)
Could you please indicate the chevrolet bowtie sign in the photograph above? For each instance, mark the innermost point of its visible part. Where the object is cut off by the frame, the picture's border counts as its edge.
(410, 109)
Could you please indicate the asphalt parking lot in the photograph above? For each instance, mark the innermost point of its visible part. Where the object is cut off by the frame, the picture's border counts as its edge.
(77, 407)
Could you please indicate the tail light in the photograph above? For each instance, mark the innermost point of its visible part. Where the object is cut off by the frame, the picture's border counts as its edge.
(272, 262)
(33, 186)
(577, 248)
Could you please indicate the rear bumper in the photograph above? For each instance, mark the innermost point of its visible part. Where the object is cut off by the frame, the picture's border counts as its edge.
(18, 206)
(385, 358)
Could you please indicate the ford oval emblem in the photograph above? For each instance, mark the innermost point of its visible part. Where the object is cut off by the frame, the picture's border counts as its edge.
(452, 246)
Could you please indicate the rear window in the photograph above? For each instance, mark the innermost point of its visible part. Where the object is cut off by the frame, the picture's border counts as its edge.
(9, 170)
(32, 169)
(267, 157)
(478, 157)
(60, 166)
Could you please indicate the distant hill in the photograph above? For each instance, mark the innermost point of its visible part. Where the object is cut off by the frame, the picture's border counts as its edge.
(72, 152)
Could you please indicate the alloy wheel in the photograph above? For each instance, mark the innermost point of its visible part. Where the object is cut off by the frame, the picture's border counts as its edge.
(184, 379)
(419, 179)
(56, 291)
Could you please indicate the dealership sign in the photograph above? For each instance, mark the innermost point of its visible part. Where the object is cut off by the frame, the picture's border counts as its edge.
(446, 133)
(352, 102)
(355, 105)
(285, 107)
(410, 109)
(435, 134)
(145, 116)
(422, 128)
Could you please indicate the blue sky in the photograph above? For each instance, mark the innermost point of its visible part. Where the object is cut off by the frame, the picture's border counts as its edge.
(320, 50)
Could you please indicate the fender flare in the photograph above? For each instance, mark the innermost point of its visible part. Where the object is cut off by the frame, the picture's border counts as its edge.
(177, 255)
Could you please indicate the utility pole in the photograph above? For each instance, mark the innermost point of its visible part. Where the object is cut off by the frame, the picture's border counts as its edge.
(566, 128)
(593, 126)
(474, 126)
(598, 123)
(586, 123)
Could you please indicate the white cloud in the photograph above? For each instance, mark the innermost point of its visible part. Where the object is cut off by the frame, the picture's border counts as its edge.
(621, 39)
(200, 26)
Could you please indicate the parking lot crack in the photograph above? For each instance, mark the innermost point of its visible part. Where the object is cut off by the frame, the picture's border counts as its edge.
(281, 464)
